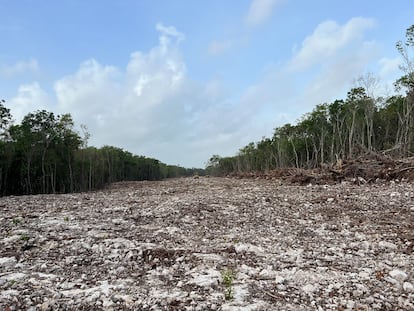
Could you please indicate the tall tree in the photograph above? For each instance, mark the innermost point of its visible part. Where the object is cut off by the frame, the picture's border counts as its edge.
(406, 82)
(6, 149)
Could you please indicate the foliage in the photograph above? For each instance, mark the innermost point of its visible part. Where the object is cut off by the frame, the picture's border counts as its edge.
(44, 154)
(16, 221)
(345, 128)
(24, 237)
(227, 278)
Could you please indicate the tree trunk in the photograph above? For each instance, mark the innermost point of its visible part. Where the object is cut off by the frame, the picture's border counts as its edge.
(43, 171)
(351, 134)
(70, 175)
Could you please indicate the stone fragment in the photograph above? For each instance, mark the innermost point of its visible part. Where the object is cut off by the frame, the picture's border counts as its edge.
(279, 279)
(386, 244)
(309, 288)
(7, 261)
(408, 287)
(399, 275)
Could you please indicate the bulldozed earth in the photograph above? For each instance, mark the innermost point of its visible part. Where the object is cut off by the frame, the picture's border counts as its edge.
(212, 244)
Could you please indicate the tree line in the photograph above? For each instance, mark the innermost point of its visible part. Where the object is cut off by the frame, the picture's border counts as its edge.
(45, 154)
(345, 128)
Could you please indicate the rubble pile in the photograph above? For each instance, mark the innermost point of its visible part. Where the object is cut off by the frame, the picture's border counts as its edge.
(172, 245)
(367, 168)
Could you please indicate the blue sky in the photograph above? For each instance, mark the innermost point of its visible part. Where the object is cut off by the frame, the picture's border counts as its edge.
(182, 80)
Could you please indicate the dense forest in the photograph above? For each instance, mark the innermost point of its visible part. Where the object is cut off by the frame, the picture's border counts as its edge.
(44, 154)
(346, 128)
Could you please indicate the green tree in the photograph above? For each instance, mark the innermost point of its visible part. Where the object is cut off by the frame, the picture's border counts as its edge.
(6, 149)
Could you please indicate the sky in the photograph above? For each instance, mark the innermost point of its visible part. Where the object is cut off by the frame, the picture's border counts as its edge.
(183, 80)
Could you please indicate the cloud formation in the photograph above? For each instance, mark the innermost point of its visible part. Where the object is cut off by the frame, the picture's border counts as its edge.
(328, 39)
(329, 59)
(260, 11)
(152, 107)
(19, 68)
(29, 97)
(167, 31)
(389, 66)
(132, 107)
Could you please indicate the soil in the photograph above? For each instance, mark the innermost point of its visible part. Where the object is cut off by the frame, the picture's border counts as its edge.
(211, 244)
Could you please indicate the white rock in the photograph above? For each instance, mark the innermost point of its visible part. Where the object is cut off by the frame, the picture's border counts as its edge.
(9, 293)
(47, 304)
(105, 288)
(392, 281)
(408, 287)
(72, 292)
(357, 293)
(279, 279)
(266, 273)
(241, 247)
(398, 275)
(93, 297)
(13, 276)
(350, 305)
(385, 244)
(240, 292)
(107, 303)
(206, 278)
(309, 288)
(7, 261)
(365, 275)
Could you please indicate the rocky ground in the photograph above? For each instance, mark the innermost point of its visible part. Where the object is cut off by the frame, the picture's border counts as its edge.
(210, 244)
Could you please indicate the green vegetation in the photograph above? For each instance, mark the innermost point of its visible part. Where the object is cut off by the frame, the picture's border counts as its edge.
(227, 278)
(24, 237)
(346, 128)
(44, 154)
(16, 221)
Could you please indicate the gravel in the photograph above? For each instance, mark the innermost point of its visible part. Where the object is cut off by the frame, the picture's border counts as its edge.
(166, 246)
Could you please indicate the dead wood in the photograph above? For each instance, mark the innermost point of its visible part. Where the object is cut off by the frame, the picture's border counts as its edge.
(368, 167)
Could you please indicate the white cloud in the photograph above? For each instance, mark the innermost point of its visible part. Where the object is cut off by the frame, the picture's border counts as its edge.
(285, 92)
(19, 68)
(166, 34)
(260, 11)
(389, 66)
(389, 72)
(328, 39)
(334, 79)
(29, 97)
(151, 107)
(169, 31)
(92, 91)
(329, 60)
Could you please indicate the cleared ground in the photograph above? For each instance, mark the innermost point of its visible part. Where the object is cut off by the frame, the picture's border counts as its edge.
(168, 246)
